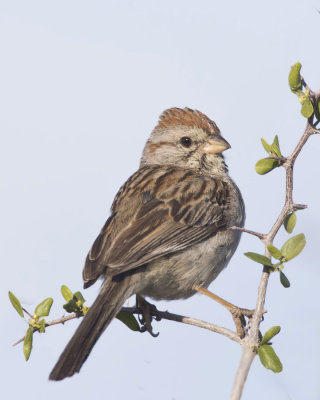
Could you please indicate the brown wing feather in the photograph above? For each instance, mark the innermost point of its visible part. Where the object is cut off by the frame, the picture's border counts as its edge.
(173, 210)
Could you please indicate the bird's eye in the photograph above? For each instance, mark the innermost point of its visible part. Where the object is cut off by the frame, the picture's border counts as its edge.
(186, 141)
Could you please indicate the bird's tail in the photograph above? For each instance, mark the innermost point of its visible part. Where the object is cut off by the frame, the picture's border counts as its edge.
(103, 310)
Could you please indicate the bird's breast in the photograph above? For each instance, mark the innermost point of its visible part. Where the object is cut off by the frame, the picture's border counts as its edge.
(173, 276)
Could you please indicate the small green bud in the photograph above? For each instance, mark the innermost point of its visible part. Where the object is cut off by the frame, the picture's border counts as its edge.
(66, 293)
(270, 334)
(295, 77)
(307, 108)
(284, 280)
(290, 222)
(266, 165)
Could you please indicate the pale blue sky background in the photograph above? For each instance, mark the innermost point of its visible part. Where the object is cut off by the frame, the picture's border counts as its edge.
(82, 85)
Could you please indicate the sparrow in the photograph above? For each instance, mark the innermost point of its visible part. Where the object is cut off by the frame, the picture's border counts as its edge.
(168, 231)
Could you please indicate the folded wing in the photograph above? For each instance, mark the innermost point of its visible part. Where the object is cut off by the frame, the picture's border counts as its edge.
(156, 212)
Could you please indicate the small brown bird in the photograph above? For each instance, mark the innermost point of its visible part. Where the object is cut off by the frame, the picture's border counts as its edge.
(168, 229)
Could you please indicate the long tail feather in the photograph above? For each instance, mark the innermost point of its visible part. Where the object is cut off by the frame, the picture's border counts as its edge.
(103, 310)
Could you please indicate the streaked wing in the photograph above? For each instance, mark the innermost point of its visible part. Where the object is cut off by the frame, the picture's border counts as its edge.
(156, 212)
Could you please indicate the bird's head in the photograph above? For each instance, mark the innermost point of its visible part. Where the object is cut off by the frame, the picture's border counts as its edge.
(187, 139)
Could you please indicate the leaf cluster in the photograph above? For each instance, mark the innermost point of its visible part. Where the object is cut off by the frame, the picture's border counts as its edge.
(291, 248)
(35, 323)
(309, 104)
(75, 301)
(274, 160)
(75, 304)
(266, 353)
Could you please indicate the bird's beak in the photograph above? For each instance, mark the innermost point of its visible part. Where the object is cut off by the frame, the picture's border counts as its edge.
(215, 144)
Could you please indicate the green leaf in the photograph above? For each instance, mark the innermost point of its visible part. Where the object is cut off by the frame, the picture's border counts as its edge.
(27, 344)
(307, 108)
(270, 334)
(295, 77)
(16, 304)
(66, 293)
(274, 251)
(293, 246)
(266, 165)
(266, 146)
(275, 147)
(79, 297)
(76, 304)
(71, 306)
(290, 222)
(259, 258)
(43, 309)
(269, 359)
(129, 320)
(284, 280)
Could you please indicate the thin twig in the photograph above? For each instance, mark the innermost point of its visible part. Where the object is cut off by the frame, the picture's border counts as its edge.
(312, 93)
(61, 320)
(27, 312)
(261, 236)
(158, 314)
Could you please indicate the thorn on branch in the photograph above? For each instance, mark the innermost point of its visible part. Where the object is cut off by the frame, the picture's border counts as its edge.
(296, 207)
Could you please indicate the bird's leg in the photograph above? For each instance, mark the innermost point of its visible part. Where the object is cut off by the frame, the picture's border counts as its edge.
(145, 319)
(238, 314)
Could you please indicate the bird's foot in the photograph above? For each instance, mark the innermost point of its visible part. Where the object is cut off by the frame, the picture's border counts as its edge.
(238, 315)
(146, 317)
